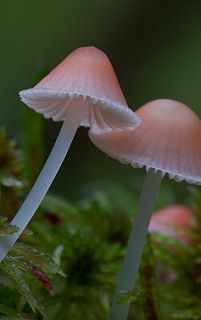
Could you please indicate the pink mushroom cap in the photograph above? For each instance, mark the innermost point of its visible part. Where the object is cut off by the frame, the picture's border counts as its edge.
(175, 220)
(86, 74)
(168, 140)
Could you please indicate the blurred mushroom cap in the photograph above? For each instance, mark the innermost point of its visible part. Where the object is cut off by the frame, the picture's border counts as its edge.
(175, 220)
(168, 139)
(87, 75)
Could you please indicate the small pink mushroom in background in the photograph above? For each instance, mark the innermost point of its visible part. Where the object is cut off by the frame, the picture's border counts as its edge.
(175, 220)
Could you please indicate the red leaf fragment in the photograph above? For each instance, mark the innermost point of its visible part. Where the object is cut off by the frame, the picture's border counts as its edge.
(42, 277)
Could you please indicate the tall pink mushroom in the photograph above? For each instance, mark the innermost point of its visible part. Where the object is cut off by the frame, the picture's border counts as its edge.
(82, 89)
(167, 141)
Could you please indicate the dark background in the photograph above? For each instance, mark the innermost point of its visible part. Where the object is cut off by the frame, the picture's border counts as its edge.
(154, 46)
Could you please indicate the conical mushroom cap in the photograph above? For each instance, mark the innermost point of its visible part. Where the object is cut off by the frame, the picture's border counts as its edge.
(85, 74)
(168, 139)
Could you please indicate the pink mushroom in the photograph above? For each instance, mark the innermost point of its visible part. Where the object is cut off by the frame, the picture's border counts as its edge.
(82, 89)
(167, 141)
(175, 220)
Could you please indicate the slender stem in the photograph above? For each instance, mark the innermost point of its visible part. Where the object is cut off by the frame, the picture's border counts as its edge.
(136, 243)
(46, 177)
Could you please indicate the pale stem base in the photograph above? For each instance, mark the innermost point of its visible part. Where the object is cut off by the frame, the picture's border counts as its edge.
(136, 244)
(46, 177)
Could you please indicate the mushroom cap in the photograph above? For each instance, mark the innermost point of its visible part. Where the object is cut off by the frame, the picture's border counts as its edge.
(168, 140)
(175, 220)
(85, 75)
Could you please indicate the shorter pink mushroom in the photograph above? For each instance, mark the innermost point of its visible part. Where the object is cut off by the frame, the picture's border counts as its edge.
(167, 142)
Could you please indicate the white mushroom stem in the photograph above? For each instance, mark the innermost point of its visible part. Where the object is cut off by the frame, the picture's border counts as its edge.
(46, 177)
(136, 244)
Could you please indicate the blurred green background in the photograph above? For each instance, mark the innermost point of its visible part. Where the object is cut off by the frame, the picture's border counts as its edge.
(154, 46)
